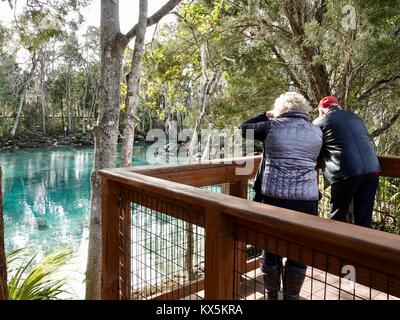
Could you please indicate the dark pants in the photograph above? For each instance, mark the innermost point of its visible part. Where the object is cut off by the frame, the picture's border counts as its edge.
(361, 189)
(309, 207)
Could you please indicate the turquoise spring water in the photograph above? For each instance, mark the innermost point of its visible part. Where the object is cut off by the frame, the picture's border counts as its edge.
(47, 196)
(46, 199)
(47, 203)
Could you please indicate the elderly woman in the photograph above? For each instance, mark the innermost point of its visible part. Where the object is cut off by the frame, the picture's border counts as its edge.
(286, 178)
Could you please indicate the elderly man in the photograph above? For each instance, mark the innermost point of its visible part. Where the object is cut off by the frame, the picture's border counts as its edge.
(349, 162)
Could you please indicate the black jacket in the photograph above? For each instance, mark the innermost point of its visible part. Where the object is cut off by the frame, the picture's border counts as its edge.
(260, 126)
(347, 149)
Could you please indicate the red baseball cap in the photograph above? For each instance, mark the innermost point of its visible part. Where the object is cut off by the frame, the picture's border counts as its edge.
(328, 102)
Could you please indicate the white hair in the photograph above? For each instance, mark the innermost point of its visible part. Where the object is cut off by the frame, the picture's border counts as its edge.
(325, 110)
(289, 102)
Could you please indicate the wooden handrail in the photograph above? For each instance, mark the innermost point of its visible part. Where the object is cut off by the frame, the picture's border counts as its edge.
(199, 174)
(377, 250)
(329, 234)
(390, 166)
(184, 173)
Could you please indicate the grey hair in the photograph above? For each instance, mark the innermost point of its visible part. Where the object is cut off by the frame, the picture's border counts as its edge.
(325, 110)
(289, 102)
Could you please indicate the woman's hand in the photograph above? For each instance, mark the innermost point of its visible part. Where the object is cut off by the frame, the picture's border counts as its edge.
(270, 114)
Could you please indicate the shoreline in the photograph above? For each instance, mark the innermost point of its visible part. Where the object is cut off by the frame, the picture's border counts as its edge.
(79, 140)
(17, 144)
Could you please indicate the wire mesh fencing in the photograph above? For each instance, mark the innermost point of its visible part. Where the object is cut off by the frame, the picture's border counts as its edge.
(162, 229)
(326, 276)
(162, 256)
(162, 252)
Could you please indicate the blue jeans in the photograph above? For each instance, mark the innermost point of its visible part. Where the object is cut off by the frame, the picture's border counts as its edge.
(309, 207)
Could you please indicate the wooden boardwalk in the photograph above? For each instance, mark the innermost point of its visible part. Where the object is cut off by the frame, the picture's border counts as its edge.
(318, 285)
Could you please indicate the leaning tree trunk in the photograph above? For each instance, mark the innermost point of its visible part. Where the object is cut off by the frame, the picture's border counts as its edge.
(84, 103)
(23, 96)
(20, 108)
(69, 107)
(43, 94)
(3, 266)
(112, 44)
(43, 100)
(203, 98)
(133, 86)
(105, 134)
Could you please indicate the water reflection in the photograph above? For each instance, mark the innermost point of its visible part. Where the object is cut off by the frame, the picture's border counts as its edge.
(46, 197)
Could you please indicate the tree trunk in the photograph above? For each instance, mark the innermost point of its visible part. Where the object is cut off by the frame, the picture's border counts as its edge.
(106, 135)
(189, 251)
(23, 95)
(203, 99)
(44, 108)
(133, 86)
(84, 102)
(316, 72)
(92, 112)
(43, 93)
(112, 44)
(150, 120)
(69, 105)
(3, 265)
(21, 106)
(62, 111)
(208, 88)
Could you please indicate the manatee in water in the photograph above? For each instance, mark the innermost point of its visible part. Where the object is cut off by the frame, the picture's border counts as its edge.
(42, 225)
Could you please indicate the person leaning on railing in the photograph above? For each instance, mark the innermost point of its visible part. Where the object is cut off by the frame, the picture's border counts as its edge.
(286, 178)
(350, 164)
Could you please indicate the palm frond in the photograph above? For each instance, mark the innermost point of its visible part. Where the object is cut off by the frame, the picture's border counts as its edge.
(36, 281)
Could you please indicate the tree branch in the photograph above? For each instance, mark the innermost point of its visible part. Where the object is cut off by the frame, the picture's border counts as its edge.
(377, 85)
(291, 74)
(320, 11)
(386, 126)
(155, 18)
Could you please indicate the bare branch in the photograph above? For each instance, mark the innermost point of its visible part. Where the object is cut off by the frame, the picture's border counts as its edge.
(377, 85)
(320, 11)
(386, 126)
(155, 18)
(291, 74)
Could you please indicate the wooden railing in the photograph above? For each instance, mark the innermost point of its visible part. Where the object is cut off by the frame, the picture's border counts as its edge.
(141, 208)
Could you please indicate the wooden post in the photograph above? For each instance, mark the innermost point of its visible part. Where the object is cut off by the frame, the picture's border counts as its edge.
(126, 243)
(3, 265)
(238, 189)
(110, 206)
(220, 246)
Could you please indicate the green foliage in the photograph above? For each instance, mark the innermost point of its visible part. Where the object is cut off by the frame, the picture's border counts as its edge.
(28, 280)
(387, 206)
(254, 44)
